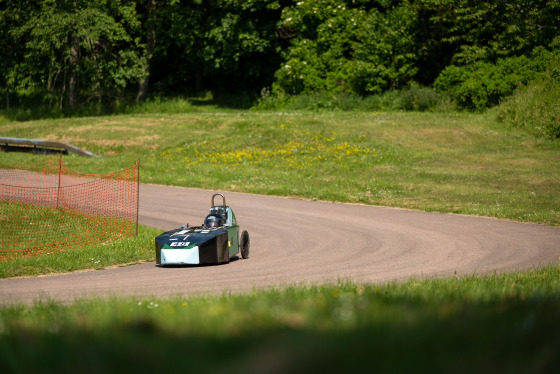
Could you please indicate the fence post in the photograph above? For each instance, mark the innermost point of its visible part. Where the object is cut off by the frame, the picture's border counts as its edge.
(137, 192)
(59, 182)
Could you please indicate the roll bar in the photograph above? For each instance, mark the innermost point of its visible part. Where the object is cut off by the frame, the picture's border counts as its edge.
(223, 199)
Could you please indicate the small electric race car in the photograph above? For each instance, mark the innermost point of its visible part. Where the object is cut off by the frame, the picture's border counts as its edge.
(215, 242)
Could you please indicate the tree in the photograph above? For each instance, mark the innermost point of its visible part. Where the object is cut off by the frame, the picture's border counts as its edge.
(473, 30)
(216, 44)
(75, 50)
(385, 52)
(12, 45)
(241, 43)
(146, 59)
(346, 46)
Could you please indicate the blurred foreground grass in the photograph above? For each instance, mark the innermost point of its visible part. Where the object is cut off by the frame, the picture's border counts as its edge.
(497, 323)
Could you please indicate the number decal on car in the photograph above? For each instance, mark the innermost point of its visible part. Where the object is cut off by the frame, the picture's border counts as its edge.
(180, 244)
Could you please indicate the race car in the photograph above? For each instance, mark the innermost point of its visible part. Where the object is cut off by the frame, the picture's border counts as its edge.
(215, 242)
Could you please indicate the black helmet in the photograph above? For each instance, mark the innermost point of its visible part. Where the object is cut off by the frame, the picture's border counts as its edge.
(214, 220)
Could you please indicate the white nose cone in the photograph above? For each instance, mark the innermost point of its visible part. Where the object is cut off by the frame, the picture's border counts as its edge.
(180, 256)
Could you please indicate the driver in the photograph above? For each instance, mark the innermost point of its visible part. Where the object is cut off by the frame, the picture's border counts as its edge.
(213, 221)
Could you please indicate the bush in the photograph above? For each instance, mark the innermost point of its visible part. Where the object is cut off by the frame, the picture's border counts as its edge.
(536, 107)
(414, 98)
(483, 85)
(326, 101)
(421, 99)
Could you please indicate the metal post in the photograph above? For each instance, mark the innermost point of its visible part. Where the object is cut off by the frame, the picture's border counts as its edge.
(59, 182)
(137, 194)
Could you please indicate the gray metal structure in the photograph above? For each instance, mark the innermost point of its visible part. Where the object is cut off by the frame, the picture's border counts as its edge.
(40, 146)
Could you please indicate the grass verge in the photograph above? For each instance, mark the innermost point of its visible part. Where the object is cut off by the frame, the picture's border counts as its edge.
(497, 323)
(29, 230)
(131, 250)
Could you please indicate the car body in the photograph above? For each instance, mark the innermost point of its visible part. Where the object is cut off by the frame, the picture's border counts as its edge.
(206, 244)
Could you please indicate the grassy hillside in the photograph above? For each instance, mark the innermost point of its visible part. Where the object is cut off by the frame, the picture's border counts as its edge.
(454, 162)
(462, 163)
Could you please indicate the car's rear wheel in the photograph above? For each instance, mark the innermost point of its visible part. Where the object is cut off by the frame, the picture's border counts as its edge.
(245, 244)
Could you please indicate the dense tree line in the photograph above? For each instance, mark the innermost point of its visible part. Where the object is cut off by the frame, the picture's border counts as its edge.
(68, 53)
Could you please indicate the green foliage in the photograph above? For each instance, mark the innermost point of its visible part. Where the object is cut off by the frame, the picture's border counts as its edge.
(337, 46)
(488, 30)
(320, 101)
(384, 55)
(536, 106)
(227, 45)
(77, 50)
(413, 98)
(75, 57)
(483, 84)
(365, 48)
(421, 99)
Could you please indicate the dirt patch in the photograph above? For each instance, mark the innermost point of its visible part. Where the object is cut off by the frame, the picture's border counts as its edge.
(105, 128)
(141, 140)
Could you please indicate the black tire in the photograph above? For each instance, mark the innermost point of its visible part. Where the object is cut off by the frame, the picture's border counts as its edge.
(245, 244)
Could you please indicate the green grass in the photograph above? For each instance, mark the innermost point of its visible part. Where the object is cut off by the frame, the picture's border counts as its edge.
(24, 227)
(131, 250)
(498, 323)
(29, 230)
(447, 162)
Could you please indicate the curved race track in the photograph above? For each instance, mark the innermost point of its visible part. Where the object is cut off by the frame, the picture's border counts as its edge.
(307, 242)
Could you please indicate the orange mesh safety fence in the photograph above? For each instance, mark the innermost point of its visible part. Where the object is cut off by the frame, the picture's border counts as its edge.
(46, 207)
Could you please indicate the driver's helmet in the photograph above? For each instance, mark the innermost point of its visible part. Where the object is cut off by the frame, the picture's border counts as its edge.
(214, 220)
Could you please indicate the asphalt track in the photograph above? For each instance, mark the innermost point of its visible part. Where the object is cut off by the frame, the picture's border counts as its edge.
(296, 242)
